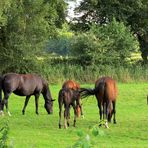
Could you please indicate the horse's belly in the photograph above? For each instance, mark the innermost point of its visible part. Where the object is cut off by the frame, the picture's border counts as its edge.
(22, 93)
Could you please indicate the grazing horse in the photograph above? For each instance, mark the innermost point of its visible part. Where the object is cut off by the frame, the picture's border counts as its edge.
(70, 84)
(25, 85)
(68, 97)
(106, 92)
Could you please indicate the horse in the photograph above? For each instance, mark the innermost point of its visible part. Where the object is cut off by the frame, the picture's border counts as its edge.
(25, 85)
(68, 97)
(106, 93)
(70, 84)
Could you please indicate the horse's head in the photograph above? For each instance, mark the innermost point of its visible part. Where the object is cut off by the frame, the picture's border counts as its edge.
(49, 106)
(78, 111)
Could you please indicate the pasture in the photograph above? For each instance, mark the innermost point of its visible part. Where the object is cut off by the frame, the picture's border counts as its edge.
(41, 131)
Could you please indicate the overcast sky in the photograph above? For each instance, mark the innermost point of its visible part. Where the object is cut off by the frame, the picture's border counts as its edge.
(71, 7)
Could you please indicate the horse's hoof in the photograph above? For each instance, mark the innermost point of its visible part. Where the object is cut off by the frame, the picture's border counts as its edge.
(1, 113)
(115, 122)
(68, 124)
(65, 127)
(59, 126)
(100, 125)
(106, 125)
(37, 113)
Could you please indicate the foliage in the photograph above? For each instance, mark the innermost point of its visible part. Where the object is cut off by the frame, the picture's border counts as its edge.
(132, 13)
(109, 44)
(4, 6)
(86, 140)
(61, 69)
(4, 129)
(28, 25)
(61, 44)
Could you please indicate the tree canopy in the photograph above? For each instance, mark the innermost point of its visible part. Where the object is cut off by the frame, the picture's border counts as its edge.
(25, 27)
(132, 13)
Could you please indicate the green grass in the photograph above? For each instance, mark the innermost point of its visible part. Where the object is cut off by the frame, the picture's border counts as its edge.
(32, 131)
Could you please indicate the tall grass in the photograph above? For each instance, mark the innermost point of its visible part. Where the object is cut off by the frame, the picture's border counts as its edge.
(3, 133)
(60, 72)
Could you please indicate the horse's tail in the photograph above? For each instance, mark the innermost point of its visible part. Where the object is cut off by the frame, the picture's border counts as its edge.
(85, 92)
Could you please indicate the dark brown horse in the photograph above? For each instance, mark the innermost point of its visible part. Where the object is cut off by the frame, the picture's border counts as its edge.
(70, 84)
(106, 92)
(25, 85)
(68, 97)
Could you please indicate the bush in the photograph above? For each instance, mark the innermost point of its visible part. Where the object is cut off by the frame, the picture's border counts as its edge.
(110, 44)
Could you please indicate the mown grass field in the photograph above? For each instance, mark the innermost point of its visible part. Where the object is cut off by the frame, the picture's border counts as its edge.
(41, 131)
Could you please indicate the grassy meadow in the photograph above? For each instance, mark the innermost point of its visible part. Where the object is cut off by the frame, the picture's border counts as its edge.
(41, 131)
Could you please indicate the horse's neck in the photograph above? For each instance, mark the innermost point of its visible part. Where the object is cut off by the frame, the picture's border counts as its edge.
(46, 93)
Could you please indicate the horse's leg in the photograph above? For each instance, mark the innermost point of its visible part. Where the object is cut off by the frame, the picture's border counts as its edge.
(81, 108)
(109, 112)
(60, 115)
(5, 102)
(114, 111)
(65, 118)
(105, 113)
(36, 102)
(67, 113)
(68, 117)
(25, 104)
(75, 114)
(99, 106)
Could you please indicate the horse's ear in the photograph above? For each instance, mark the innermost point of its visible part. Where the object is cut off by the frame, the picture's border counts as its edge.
(53, 100)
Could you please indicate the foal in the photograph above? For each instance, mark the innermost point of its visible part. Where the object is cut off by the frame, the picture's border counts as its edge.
(70, 84)
(68, 97)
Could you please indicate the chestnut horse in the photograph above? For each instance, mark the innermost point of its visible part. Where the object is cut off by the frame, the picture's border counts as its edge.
(106, 92)
(70, 84)
(68, 97)
(25, 85)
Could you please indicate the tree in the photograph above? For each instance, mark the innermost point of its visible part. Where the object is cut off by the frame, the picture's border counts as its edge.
(132, 13)
(4, 5)
(108, 44)
(28, 26)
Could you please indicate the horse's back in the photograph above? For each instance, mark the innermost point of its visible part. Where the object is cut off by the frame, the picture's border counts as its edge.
(71, 85)
(109, 88)
(22, 84)
(68, 95)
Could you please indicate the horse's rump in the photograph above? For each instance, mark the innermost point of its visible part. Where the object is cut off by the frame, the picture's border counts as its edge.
(106, 86)
(71, 84)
